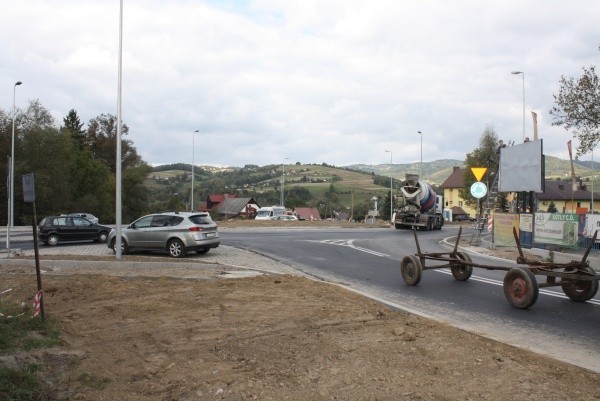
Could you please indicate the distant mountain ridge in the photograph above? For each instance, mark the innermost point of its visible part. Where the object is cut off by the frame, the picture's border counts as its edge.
(437, 171)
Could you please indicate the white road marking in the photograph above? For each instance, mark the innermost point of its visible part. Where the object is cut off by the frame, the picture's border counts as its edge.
(350, 244)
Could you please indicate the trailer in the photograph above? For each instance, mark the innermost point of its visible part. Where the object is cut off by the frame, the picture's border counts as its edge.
(578, 280)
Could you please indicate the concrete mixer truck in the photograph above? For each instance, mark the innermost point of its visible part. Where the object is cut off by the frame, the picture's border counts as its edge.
(418, 206)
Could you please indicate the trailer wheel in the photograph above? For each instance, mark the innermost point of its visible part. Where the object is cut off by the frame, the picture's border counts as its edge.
(520, 288)
(581, 291)
(460, 271)
(410, 267)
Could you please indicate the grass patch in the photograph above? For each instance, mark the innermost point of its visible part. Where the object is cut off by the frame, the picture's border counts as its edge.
(22, 332)
(20, 385)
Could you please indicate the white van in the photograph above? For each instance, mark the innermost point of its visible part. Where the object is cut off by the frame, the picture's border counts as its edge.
(267, 212)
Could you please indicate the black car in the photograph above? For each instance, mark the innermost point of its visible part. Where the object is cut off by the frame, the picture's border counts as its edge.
(55, 229)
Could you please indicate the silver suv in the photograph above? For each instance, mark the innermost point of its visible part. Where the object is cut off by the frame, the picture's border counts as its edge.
(174, 232)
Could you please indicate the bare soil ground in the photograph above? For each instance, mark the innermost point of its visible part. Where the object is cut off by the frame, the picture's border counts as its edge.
(192, 334)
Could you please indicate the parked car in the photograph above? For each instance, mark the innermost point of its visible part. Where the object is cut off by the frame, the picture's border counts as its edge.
(53, 230)
(88, 216)
(463, 217)
(285, 217)
(177, 233)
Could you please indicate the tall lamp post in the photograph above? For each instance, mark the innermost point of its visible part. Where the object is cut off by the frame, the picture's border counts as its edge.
(523, 77)
(193, 152)
(391, 181)
(283, 177)
(421, 163)
(118, 151)
(11, 210)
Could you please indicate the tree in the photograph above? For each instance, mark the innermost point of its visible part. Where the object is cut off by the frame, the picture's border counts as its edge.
(483, 156)
(74, 127)
(578, 108)
(385, 208)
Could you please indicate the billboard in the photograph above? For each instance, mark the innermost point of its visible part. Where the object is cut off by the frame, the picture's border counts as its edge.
(556, 228)
(503, 228)
(522, 168)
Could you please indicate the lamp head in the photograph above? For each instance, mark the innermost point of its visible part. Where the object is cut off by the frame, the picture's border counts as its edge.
(419, 132)
(18, 83)
(516, 72)
(197, 131)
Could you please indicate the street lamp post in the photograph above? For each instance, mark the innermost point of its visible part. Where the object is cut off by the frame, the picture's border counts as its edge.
(118, 150)
(421, 163)
(193, 151)
(11, 210)
(283, 177)
(523, 77)
(391, 181)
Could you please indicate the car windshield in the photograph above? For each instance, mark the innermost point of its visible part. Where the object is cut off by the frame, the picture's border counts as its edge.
(263, 213)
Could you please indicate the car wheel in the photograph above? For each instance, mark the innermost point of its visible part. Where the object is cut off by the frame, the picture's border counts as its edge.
(102, 237)
(202, 251)
(124, 246)
(175, 248)
(52, 240)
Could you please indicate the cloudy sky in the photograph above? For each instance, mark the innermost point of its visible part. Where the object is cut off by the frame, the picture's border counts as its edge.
(312, 80)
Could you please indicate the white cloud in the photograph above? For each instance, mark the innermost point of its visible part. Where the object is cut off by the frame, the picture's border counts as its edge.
(314, 80)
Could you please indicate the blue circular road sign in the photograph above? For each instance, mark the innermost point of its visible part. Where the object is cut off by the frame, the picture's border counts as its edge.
(478, 190)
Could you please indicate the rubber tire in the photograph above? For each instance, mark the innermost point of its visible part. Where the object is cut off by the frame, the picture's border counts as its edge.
(411, 270)
(429, 224)
(581, 291)
(102, 237)
(521, 288)
(202, 251)
(124, 246)
(52, 240)
(175, 248)
(460, 271)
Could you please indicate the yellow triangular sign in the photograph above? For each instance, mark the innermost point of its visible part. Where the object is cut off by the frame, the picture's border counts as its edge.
(478, 172)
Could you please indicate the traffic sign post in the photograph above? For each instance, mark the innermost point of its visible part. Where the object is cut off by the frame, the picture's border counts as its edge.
(29, 197)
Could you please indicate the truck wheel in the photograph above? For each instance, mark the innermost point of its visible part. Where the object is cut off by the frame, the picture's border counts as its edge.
(439, 223)
(520, 288)
(410, 267)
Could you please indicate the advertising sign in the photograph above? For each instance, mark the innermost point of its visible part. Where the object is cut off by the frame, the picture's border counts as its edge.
(556, 228)
(503, 228)
(592, 223)
(526, 222)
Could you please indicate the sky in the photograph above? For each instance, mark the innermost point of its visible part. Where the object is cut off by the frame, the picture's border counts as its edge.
(309, 81)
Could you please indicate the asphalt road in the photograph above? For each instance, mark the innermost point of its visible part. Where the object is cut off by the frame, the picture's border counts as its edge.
(369, 261)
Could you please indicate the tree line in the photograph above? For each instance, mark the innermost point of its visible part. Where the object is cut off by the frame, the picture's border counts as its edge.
(74, 168)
